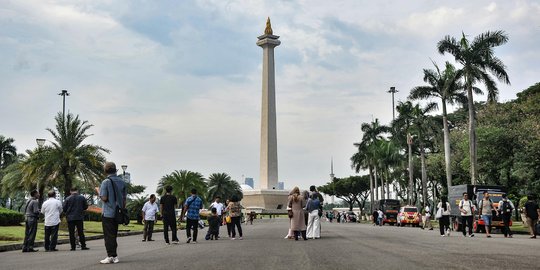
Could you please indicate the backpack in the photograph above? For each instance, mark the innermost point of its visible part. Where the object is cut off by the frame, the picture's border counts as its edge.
(506, 207)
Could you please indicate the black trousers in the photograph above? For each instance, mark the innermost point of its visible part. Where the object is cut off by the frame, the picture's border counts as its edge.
(110, 233)
(30, 233)
(506, 217)
(444, 223)
(51, 237)
(235, 221)
(169, 222)
(80, 231)
(192, 224)
(466, 221)
(148, 229)
(229, 228)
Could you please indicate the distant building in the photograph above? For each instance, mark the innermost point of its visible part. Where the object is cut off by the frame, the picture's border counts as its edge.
(249, 181)
(281, 185)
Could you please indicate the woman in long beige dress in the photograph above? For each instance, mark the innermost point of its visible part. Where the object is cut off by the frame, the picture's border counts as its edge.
(297, 203)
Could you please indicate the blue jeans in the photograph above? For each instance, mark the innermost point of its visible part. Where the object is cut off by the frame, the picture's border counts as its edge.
(487, 219)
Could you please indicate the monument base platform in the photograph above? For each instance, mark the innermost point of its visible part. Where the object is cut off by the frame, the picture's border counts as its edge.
(266, 201)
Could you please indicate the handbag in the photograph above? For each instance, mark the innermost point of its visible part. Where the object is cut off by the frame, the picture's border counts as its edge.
(439, 213)
(121, 215)
(228, 219)
(290, 213)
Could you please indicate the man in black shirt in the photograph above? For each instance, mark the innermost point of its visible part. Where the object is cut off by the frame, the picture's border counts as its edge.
(74, 207)
(532, 211)
(168, 205)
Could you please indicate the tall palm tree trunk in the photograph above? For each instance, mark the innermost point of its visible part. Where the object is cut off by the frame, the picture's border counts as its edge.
(376, 183)
(424, 174)
(472, 133)
(371, 189)
(447, 161)
(410, 193)
(383, 180)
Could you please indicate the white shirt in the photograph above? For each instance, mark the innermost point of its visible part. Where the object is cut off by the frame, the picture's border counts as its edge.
(52, 208)
(428, 211)
(447, 212)
(219, 207)
(150, 210)
(467, 206)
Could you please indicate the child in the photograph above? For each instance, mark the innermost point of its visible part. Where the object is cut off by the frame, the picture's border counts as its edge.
(213, 226)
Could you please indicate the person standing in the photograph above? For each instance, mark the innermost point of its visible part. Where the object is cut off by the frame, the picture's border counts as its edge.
(192, 207)
(51, 208)
(427, 222)
(167, 206)
(466, 208)
(532, 211)
(375, 216)
(486, 209)
(506, 207)
(149, 213)
(380, 216)
(312, 207)
(219, 207)
(297, 203)
(74, 207)
(235, 212)
(113, 194)
(444, 220)
(32, 214)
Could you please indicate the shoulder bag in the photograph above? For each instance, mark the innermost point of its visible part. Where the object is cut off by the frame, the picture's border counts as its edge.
(121, 215)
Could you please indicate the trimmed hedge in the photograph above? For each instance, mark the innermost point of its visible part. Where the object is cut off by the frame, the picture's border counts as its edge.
(10, 217)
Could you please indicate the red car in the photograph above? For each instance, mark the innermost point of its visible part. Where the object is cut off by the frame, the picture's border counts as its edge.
(409, 215)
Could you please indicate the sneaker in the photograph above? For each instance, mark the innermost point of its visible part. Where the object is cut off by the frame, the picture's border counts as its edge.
(233, 238)
(447, 232)
(107, 260)
(85, 248)
(144, 240)
(176, 242)
(472, 235)
(442, 235)
(240, 238)
(115, 260)
(194, 242)
(489, 236)
(188, 240)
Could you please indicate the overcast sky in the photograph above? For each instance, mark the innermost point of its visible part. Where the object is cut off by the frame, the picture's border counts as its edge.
(177, 84)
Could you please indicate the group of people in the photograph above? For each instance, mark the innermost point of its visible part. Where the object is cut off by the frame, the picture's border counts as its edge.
(73, 207)
(486, 209)
(304, 210)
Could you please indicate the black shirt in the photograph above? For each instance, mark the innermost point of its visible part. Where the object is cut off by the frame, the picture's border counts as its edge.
(531, 209)
(74, 207)
(168, 202)
(213, 222)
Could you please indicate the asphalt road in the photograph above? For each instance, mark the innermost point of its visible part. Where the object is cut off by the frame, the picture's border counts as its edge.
(342, 246)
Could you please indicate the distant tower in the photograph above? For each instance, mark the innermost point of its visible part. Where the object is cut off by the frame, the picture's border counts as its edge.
(269, 163)
(332, 176)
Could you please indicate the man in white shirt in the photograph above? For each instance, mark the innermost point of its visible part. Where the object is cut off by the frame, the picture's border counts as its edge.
(149, 212)
(427, 221)
(466, 207)
(51, 209)
(219, 208)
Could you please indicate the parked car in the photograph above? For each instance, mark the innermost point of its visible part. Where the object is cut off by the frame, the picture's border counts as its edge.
(409, 215)
(352, 216)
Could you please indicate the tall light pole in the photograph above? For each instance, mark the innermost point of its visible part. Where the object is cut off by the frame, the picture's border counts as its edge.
(124, 167)
(64, 93)
(393, 91)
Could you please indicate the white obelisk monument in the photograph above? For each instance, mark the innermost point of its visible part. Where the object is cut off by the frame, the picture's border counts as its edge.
(269, 163)
(267, 198)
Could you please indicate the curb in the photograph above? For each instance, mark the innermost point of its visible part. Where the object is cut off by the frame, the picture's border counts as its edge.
(12, 247)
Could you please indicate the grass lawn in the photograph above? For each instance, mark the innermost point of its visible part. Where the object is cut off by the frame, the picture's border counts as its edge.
(15, 234)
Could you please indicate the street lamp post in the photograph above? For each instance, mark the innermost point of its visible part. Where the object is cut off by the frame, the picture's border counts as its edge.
(64, 93)
(393, 91)
(124, 167)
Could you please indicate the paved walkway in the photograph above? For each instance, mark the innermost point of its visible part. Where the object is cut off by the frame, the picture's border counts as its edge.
(343, 246)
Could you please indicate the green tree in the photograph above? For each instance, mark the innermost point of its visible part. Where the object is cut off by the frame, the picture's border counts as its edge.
(8, 152)
(477, 59)
(352, 189)
(222, 185)
(447, 87)
(182, 182)
(135, 205)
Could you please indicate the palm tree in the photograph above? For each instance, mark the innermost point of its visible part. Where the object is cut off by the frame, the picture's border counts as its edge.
(362, 160)
(135, 205)
(423, 127)
(448, 87)
(182, 182)
(8, 152)
(222, 185)
(477, 59)
(401, 127)
(67, 158)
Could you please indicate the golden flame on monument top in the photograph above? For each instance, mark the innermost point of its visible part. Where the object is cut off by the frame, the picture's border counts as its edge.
(268, 29)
